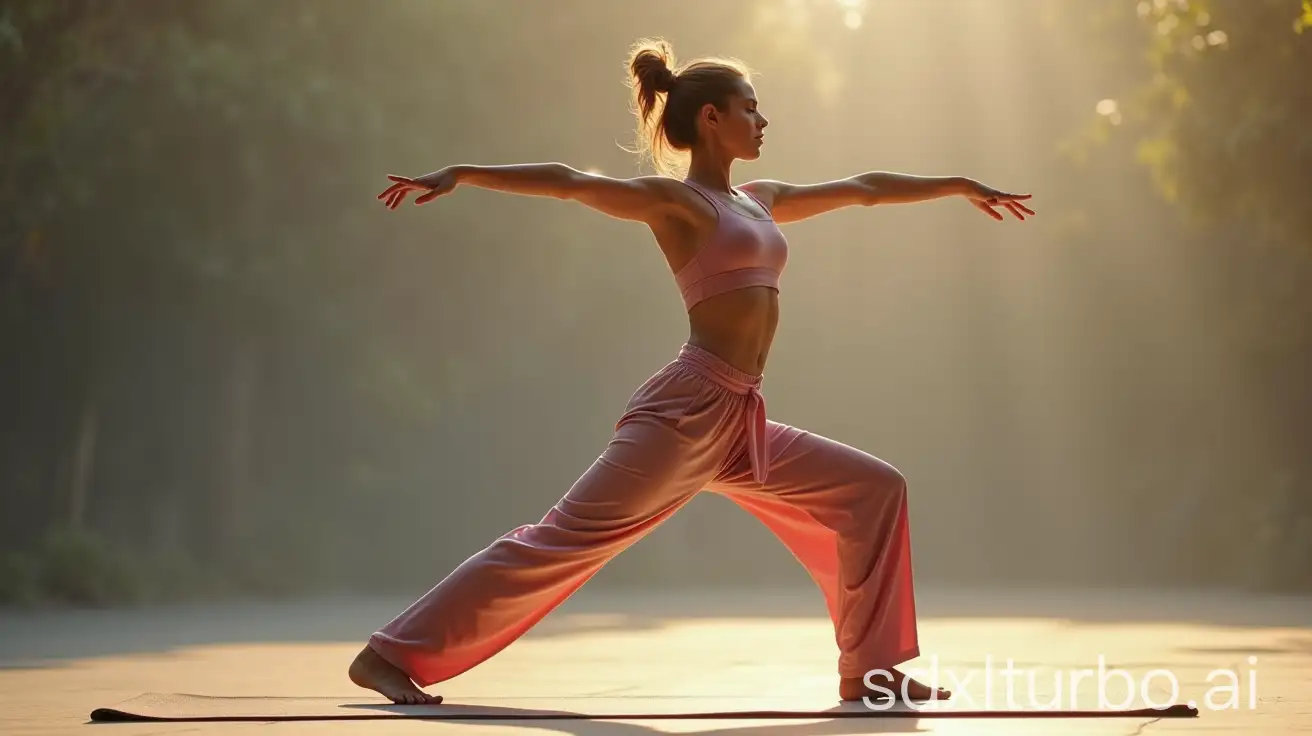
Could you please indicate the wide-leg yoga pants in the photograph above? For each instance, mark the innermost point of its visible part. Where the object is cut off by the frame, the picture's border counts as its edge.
(697, 424)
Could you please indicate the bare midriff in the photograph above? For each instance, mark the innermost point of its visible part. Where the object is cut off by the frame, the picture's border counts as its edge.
(738, 326)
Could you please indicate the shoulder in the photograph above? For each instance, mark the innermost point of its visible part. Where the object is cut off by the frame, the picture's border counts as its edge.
(668, 186)
(765, 190)
(677, 193)
(659, 189)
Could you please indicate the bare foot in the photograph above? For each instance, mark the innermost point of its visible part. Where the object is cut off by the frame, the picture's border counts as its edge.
(372, 672)
(854, 688)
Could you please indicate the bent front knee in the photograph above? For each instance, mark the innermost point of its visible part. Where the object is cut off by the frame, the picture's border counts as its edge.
(875, 498)
(883, 496)
(886, 481)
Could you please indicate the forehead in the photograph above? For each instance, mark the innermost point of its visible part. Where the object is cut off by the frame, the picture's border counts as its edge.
(746, 92)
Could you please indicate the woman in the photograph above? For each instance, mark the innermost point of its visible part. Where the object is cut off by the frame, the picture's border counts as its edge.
(699, 423)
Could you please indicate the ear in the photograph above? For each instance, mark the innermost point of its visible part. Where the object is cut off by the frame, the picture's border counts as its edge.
(709, 115)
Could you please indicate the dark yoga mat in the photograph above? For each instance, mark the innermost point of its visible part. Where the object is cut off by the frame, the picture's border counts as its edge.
(181, 707)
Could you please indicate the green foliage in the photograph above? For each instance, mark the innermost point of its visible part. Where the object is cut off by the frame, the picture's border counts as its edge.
(1219, 109)
(71, 567)
(1214, 103)
(189, 253)
(20, 580)
(78, 567)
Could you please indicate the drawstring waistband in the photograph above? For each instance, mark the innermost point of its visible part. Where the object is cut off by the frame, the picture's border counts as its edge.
(715, 368)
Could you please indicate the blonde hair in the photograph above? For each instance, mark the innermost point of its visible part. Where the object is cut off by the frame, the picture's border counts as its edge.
(667, 99)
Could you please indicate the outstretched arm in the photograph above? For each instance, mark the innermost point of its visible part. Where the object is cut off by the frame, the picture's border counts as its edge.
(793, 202)
(641, 199)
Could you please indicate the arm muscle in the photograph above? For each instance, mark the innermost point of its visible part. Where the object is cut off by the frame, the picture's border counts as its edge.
(794, 202)
(640, 199)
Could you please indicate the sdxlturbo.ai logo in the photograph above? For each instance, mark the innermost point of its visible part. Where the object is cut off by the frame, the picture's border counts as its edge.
(1054, 689)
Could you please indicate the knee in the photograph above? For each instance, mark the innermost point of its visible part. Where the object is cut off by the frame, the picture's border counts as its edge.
(877, 496)
(886, 481)
(883, 490)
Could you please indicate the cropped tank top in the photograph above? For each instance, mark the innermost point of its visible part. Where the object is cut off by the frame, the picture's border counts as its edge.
(743, 251)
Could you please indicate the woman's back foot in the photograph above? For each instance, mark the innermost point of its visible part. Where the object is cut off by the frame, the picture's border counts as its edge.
(372, 672)
(902, 687)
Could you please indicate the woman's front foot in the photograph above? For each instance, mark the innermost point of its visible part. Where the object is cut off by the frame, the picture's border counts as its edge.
(886, 681)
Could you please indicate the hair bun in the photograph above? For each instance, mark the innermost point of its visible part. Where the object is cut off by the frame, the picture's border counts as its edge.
(650, 65)
(664, 78)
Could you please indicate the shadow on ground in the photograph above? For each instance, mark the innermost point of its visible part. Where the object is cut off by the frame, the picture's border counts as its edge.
(831, 727)
(820, 726)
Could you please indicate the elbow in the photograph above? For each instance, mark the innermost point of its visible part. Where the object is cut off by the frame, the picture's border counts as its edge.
(567, 182)
(870, 195)
(867, 190)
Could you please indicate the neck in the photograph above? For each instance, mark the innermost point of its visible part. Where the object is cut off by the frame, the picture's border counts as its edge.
(711, 170)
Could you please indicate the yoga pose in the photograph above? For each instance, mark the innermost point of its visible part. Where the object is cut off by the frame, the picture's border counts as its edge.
(699, 423)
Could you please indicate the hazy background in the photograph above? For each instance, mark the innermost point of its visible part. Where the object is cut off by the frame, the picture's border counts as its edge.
(228, 369)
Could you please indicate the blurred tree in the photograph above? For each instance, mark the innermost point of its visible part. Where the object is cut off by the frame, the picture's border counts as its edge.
(155, 155)
(1217, 109)
(218, 344)
(1217, 106)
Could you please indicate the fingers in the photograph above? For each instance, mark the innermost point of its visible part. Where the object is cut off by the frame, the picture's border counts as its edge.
(388, 192)
(1010, 201)
(1015, 209)
(394, 195)
(986, 209)
(1000, 198)
(402, 182)
(1018, 209)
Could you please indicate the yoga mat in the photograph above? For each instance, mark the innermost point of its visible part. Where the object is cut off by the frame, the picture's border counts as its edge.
(183, 707)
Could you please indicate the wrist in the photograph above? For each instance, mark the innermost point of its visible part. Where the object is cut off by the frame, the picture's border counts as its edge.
(437, 177)
(459, 174)
(961, 186)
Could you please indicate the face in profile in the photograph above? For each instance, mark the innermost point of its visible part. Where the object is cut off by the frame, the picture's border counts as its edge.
(740, 128)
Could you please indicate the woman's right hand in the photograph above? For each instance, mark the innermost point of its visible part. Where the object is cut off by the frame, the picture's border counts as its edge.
(432, 185)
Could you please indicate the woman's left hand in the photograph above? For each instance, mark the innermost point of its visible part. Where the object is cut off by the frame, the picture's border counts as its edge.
(986, 198)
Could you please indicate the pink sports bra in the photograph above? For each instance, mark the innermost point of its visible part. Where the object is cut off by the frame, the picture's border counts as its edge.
(744, 251)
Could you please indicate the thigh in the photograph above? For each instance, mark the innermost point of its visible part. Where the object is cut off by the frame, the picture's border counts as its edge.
(668, 444)
(822, 476)
(643, 472)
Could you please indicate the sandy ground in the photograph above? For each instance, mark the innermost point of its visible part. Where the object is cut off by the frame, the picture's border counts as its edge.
(55, 667)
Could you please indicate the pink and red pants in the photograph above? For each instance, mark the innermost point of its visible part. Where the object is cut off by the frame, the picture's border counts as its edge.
(698, 424)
